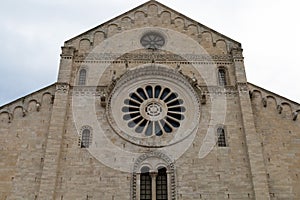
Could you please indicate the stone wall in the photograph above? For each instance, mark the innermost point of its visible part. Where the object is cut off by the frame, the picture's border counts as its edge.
(41, 156)
(24, 126)
(279, 128)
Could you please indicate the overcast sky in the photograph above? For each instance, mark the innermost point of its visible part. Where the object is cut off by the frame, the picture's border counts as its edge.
(32, 32)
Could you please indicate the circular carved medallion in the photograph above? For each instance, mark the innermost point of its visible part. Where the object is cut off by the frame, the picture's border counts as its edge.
(152, 40)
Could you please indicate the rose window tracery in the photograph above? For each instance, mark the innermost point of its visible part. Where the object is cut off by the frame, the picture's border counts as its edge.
(153, 106)
(153, 110)
(152, 40)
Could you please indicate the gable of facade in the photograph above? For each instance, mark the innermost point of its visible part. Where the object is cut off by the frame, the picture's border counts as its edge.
(150, 105)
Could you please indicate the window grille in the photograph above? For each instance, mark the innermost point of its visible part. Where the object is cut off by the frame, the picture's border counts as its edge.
(222, 77)
(145, 185)
(162, 185)
(82, 77)
(85, 138)
(221, 137)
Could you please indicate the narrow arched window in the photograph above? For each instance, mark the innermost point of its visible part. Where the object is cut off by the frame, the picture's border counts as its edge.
(162, 184)
(82, 77)
(85, 138)
(221, 137)
(222, 77)
(145, 184)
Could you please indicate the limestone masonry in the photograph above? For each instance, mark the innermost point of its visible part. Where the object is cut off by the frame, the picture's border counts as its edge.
(150, 105)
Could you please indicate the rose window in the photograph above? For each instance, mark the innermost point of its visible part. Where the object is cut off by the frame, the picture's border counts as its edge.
(153, 110)
(152, 40)
(153, 106)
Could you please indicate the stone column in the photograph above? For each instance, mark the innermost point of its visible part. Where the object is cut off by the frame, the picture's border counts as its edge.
(252, 138)
(138, 186)
(153, 179)
(169, 185)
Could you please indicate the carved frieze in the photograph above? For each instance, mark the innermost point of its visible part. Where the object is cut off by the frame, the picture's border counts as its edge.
(88, 90)
(151, 56)
(62, 88)
(242, 87)
(217, 90)
(104, 90)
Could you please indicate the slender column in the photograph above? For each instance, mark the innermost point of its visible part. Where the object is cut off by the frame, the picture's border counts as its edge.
(138, 186)
(169, 185)
(153, 178)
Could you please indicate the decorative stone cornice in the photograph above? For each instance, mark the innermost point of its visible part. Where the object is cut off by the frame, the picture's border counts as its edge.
(200, 90)
(88, 90)
(242, 87)
(158, 57)
(62, 88)
(237, 53)
(263, 97)
(219, 90)
(67, 52)
(28, 104)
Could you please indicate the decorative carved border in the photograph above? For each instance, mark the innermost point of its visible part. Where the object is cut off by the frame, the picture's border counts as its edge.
(88, 90)
(242, 87)
(219, 90)
(80, 134)
(151, 56)
(207, 90)
(62, 88)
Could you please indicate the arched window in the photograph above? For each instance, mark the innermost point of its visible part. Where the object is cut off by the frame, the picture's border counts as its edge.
(85, 138)
(153, 178)
(82, 77)
(222, 77)
(221, 137)
(162, 184)
(145, 184)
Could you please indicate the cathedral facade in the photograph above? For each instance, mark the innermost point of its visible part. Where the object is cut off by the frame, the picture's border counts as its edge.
(151, 105)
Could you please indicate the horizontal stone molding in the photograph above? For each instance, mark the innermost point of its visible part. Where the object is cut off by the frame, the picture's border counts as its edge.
(207, 90)
(151, 56)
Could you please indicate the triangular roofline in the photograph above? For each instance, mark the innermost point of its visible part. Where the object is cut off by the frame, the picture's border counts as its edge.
(178, 13)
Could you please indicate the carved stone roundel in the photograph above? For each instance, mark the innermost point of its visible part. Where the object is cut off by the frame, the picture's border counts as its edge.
(152, 40)
(153, 106)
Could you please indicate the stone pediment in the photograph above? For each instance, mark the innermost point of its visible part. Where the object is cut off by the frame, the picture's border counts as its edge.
(154, 14)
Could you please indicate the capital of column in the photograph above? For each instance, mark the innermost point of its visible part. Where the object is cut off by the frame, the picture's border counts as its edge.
(153, 174)
(237, 52)
(67, 51)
